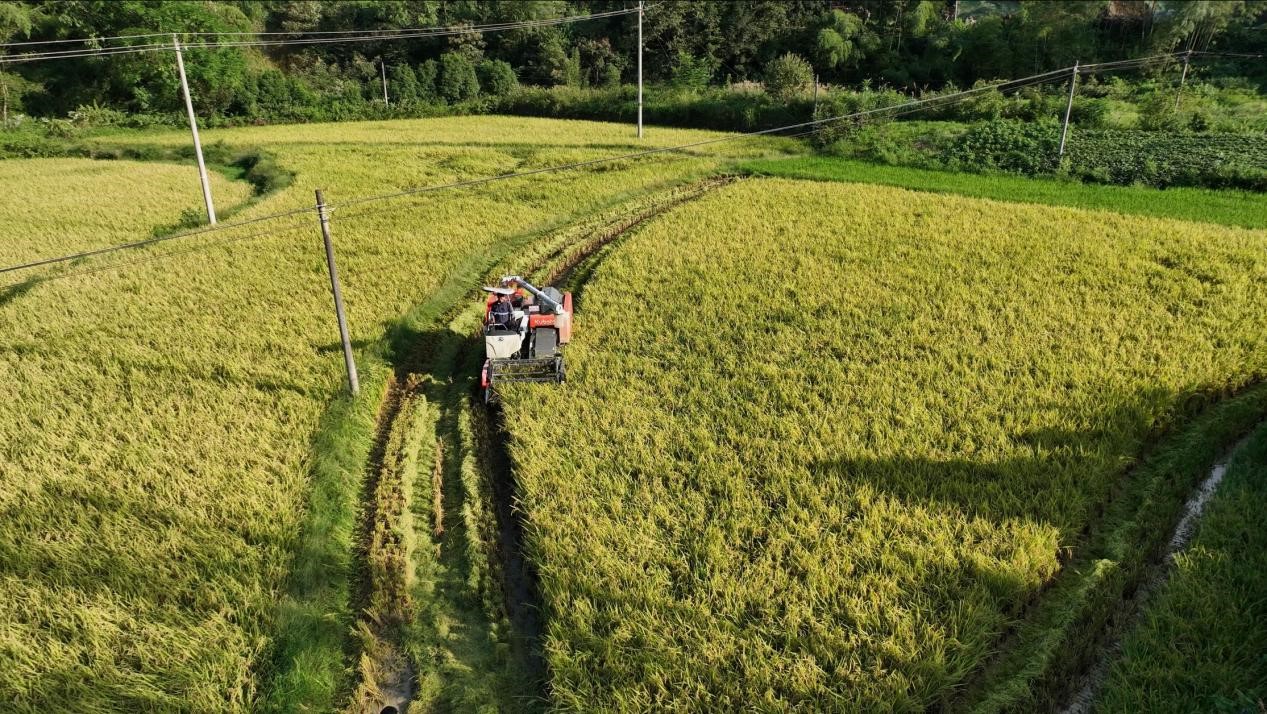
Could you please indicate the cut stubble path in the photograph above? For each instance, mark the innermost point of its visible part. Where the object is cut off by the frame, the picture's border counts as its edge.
(159, 420)
(823, 444)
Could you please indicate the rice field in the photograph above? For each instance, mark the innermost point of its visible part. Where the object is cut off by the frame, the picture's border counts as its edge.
(163, 422)
(823, 445)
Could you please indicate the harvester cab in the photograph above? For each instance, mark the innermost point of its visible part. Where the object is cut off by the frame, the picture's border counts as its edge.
(524, 329)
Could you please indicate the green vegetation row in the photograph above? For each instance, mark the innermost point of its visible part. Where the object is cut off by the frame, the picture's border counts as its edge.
(857, 435)
(181, 480)
(1123, 157)
(1232, 208)
(1200, 642)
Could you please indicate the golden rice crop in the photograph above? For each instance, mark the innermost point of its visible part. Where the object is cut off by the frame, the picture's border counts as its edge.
(157, 421)
(821, 443)
(56, 206)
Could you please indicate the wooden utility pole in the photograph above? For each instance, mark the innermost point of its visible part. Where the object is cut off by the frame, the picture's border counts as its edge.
(382, 63)
(1182, 78)
(639, 69)
(193, 128)
(1064, 131)
(354, 384)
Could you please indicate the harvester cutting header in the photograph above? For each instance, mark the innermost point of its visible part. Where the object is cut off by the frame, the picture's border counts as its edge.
(524, 329)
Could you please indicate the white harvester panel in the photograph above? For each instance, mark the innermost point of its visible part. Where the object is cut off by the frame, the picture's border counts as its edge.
(502, 346)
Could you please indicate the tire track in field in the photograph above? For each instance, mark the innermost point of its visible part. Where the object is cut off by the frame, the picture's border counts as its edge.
(568, 266)
(1092, 681)
(441, 372)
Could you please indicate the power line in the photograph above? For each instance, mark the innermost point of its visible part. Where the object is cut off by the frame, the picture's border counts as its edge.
(705, 142)
(335, 36)
(118, 265)
(148, 241)
(814, 125)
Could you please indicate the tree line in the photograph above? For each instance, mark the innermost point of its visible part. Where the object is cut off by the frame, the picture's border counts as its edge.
(906, 44)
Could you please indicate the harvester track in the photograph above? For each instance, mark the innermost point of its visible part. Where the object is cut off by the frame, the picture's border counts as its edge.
(441, 374)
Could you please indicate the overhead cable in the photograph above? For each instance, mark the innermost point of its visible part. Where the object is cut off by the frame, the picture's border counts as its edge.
(350, 36)
(813, 125)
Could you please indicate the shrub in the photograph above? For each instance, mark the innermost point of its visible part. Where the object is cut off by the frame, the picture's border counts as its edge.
(428, 75)
(94, 115)
(690, 72)
(1199, 122)
(788, 76)
(1006, 145)
(404, 86)
(457, 77)
(1157, 113)
(497, 77)
(839, 104)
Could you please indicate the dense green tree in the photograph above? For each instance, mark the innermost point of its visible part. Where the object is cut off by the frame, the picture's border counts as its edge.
(899, 43)
(404, 87)
(496, 77)
(428, 81)
(457, 80)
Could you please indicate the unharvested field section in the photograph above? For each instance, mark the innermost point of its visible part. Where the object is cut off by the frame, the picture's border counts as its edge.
(821, 444)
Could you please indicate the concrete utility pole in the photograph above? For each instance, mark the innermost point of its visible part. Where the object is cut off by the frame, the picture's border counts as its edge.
(639, 69)
(815, 114)
(1182, 78)
(353, 383)
(383, 64)
(193, 127)
(1064, 131)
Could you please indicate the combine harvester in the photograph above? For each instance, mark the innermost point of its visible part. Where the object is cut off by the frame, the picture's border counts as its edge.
(523, 335)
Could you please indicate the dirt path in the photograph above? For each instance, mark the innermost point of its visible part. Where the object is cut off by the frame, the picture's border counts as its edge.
(1084, 697)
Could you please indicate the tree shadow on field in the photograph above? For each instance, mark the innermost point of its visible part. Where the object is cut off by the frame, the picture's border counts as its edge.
(991, 546)
(1060, 459)
(1089, 488)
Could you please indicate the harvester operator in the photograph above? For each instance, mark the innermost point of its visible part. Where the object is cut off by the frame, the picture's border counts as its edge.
(502, 312)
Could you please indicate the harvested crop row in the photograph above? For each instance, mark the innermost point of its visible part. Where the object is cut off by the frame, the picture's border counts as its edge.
(474, 639)
(821, 444)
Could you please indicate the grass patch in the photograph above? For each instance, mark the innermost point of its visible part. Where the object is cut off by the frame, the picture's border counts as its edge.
(1232, 208)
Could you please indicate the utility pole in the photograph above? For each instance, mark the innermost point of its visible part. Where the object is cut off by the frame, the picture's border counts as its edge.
(353, 383)
(639, 69)
(383, 64)
(1064, 131)
(193, 128)
(815, 115)
(1182, 78)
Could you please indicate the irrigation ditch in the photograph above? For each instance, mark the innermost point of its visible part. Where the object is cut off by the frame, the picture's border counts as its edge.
(448, 611)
